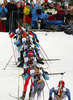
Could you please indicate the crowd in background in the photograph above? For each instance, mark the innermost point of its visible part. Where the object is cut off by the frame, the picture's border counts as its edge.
(27, 14)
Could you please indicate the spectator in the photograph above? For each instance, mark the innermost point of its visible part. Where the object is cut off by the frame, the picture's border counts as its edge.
(5, 2)
(46, 6)
(11, 9)
(46, 3)
(3, 11)
(26, 18)
(51, 10)
(37, 13)
(0, 5)
(31, 1)
(43, 7)
(60, 14)
(69, 14)
(58, 7)
(66, 6)
(22, 4)
(32, 6)
(7, 21)
(19, 14)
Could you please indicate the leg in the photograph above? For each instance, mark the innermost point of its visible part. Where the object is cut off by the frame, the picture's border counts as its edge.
(33, 96)
(25, 87)
(26, 84)
(39, 95)
(30, 89)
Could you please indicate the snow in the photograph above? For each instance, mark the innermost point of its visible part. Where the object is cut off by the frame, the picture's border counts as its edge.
(55, 45)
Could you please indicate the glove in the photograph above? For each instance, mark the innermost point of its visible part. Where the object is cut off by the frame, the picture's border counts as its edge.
(11, 35)
(37, 40)
(37, 45)
(9, 32)
(57, 15)
(15, 37)
(16, 42)
(46, 77)
(26, 76)
(50, 98)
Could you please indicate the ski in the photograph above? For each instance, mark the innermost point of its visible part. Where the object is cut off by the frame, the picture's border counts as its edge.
(11, 65)
(50, 59)
(19, 98)
(14, 96)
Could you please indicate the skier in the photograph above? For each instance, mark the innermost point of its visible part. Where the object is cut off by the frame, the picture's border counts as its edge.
(37, 76)
(60, 92)
(29, 61)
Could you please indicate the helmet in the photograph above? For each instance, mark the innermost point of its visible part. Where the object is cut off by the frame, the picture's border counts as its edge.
(30, 54)
(61, 82)
(24, 35)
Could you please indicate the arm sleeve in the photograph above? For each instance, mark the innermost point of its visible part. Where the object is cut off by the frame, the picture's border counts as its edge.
(35, 35)
(5, 9)
(1, 9)
(51, 91)
(68, 94)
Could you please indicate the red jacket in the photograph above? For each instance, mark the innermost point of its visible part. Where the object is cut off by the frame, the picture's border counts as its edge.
(60, 15)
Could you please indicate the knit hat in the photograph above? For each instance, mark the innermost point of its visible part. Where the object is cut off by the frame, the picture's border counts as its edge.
(11, 0)
(62, 7)
(18, 3)
(33, 3)
(69, 4)
(51, 3)
(2, 4)
(58, 6)
(28, 4)
(22, 1)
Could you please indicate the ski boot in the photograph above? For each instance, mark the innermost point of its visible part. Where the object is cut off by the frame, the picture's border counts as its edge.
(23, 96)
(30, 93)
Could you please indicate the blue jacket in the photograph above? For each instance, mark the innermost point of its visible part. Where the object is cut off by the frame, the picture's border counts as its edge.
(55, 22)
(34, 35)
(35, 16)
(3, 11)
(55, 91)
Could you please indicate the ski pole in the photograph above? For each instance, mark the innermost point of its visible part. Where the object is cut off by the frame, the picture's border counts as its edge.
(45, 53)
(10, 30)
(43, 94)
(44, 58)
(13, 50)
(56, 73)
(8, 62)
(47, 84)
(18, 82)
(62, 75)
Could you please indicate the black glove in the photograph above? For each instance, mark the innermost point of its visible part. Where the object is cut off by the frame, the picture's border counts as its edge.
(57, 15)
(68, 15)
(50, 98)
(9, 32)
(37, 40)
(15, 37)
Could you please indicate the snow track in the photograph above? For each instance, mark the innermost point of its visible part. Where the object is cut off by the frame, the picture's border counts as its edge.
(56, 45)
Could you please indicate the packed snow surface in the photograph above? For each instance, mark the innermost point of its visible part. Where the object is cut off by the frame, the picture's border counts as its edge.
(56, 45)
